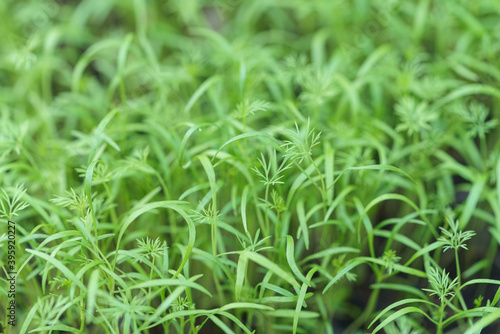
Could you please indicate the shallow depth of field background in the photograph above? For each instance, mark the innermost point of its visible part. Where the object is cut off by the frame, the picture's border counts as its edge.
(235, 166)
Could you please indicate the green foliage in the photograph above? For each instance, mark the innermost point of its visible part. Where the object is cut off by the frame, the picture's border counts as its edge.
(440, 284)
(250, 166)
(454, 239)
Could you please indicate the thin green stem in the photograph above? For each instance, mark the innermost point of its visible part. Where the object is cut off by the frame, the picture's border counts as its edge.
(266, 214)
(459, 286)
(483, 147)
(439, 329)
(323, 186)
(151, 278)
(277, 231)
(213, 229)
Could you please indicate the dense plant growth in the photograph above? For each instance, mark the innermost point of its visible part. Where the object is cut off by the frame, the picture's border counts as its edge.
(237, 166)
